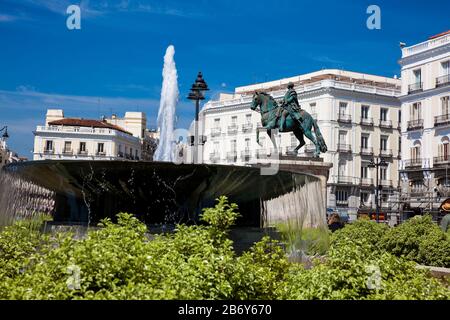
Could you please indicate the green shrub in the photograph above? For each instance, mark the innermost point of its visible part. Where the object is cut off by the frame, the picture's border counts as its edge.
(312, 241)
(420, 240)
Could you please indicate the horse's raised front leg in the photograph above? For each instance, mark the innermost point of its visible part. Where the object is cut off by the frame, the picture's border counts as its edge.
(311, 137)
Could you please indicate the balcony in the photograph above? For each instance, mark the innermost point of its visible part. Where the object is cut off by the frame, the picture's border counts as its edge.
(247, 127)
(120, 154)
(216, 132)
(441, 161)
(442, 120)
(233, 129)
(386, 183)
(366, 122)
(246, 155)
(49, 151)
(343, 179)
(344, 147)
(366, 182)
(310, 148)
(214, 156)
(344, 118)
(83, 153)
(102, 154)
(386, 124)
(415, 87)
(366, 151)
(232, 156)
(386, 153)
(67, 152)
(413, 163)
(415, 124)
(442, 81)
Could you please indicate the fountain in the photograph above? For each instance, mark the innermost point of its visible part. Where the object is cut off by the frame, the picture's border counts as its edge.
(168, 102)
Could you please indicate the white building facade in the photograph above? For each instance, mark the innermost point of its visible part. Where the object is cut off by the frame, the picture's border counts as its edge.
(83, 139)
(358, 115)
(426, 123)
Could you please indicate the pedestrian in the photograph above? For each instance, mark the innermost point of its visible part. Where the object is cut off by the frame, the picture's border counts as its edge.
(334, 223)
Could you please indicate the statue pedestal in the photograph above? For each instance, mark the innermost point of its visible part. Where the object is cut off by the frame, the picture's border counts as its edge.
(315, 167)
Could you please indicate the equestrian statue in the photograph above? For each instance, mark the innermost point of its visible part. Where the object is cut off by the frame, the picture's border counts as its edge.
(288, 117)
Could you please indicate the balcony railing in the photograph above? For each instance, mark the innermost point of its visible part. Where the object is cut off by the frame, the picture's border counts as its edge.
(441, 160)
(366, 122)
(67, 152)
(214, 156)
(415, 87)
(344, 179)
(344, 147)
(442, 81)
(233, 129)
(366, 182)
(246, 154)
(386, 183)
(415, 124)
(414, 163)
(82, 153)
(216, 132)
(232, 156)
(345, 118)
(442, 120)
(102, 153)
(386, 124)
(386, 153)
(366, 151)
(49, 151)
(247, 127)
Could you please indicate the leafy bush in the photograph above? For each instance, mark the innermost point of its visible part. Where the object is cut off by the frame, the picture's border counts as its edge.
(121, 261)
(419, 240)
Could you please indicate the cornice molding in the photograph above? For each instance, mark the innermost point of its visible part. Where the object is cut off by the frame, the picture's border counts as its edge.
(424, 55)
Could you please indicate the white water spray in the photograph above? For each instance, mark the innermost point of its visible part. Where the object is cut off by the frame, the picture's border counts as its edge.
(167, 105)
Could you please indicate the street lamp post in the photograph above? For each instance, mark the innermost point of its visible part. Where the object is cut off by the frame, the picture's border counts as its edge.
(377, 164)
(196, 95)
(5, 134)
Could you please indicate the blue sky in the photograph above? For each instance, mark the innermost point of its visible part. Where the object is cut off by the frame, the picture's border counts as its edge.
(114, 62)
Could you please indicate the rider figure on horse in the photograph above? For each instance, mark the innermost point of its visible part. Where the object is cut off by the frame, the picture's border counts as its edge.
(290, 106)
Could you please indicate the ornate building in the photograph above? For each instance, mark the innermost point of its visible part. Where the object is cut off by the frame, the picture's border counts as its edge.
(87, 139)
(426, 123)
(359, 117)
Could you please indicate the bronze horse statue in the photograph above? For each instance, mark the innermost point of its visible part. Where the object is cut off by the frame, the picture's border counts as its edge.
(271, 119)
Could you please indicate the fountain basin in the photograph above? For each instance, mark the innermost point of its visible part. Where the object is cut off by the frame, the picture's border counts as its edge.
(83, 192)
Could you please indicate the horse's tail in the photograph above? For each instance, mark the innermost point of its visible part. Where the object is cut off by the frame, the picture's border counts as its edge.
(319, 137)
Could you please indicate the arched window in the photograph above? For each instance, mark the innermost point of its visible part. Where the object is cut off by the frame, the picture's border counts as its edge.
(416, 150)
(443, 149)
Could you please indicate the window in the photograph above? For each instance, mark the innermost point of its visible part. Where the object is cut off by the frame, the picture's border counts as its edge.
(293, 140)
(82, 146)
(383, 114)
(131, 151)
(383, 173)
(444, 106)
(67, 146)
(364, 172)
(49, 145)
(365, 197)
(233, 145)
(341, 197)
(247, 144)
(342, 169)
(216, 123)
(136, 154)
(399, 145)
(234, 120)
(416, 151)
(417, 74)
(216, 147)
(101, 148)
(313, 107)
(399, 116)
(416, 111)
(248, 118)
(342, 108)
(365, 112)
(342, 137)
(445, 68)
(364, 141)
(383, 143)
(443, 149)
